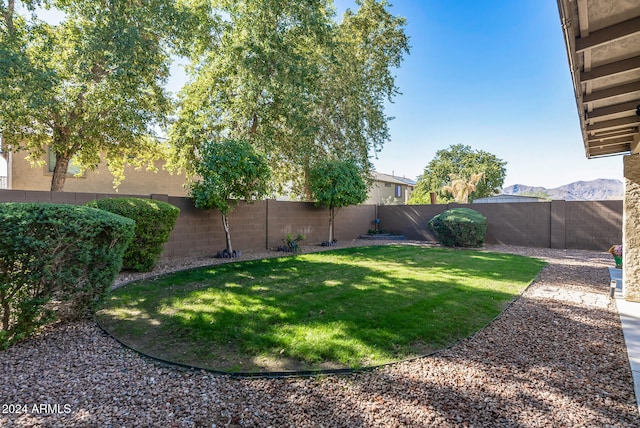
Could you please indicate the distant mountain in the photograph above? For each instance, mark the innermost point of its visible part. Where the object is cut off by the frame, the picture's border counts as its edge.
(594, 190)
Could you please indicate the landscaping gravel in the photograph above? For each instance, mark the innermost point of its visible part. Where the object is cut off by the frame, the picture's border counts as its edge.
(555, 358)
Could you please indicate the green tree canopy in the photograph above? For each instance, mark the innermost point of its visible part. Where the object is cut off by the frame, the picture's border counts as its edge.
(91, 85)
(336, 184)
(296, 84)
(459, 162)
(229, 171)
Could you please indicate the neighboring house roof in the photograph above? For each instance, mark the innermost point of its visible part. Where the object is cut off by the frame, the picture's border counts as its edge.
(386, 178)
(602, 38)
(502, 198)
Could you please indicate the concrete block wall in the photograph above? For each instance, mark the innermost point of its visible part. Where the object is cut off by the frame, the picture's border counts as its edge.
(595, 225)
(296, 218)
(264, 224)
(409, 220)
(351, 222)
(525, 224)
(591, 225)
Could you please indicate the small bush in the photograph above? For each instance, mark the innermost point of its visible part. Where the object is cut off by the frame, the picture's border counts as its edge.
(154, 222)
(459, 227)
(56, 261)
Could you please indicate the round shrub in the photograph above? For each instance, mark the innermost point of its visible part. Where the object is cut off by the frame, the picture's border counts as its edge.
(154, 222)
(459, 227)
(56, 261)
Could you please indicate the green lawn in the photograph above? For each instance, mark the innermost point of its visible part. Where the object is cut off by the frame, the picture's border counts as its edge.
(351, 307)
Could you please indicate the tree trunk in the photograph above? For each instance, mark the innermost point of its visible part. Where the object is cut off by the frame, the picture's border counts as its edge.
(306, 189)
(8, 17)
(254, 125)
(60, 173)
(6, 311)
(225, 225)
(331, 219)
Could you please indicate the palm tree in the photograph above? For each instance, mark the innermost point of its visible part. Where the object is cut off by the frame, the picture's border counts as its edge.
(461, 188)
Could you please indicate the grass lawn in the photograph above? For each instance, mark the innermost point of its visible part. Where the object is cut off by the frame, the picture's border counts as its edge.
(343, 308)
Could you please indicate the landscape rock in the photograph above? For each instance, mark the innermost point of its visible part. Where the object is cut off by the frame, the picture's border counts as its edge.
(555, 357)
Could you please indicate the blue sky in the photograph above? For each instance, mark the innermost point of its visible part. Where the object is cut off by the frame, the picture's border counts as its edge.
(492, 75)
(489, 74)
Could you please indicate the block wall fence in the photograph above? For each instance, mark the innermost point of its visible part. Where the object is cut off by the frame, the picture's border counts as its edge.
(590, 225)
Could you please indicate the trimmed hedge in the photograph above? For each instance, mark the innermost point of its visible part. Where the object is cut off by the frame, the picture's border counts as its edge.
(459, 227)
(56, 262)
(154, 222)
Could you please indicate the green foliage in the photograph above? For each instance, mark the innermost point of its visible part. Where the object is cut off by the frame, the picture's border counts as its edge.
(229, 171)
(335, 184)
(462, 162)
(90, 86)
(291, 243)
(154, 222)
(56, 261)
(459, 227)
(296, 84)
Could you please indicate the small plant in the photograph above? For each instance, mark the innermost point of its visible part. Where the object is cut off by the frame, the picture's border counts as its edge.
(376, 232)
(459, 227)
(291, 243)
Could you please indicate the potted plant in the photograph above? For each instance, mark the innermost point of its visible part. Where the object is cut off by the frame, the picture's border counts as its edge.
(616, 252)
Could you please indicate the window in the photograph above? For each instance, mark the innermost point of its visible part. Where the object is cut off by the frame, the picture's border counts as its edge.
(73, 168)
(398, 191)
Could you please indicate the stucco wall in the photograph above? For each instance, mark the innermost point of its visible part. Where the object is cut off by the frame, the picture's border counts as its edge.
(631, 253)
(380, 193)
(26, 177)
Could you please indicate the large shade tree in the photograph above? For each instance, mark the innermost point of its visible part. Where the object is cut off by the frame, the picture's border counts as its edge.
(91, 85)
(481, 173)
(296, 84)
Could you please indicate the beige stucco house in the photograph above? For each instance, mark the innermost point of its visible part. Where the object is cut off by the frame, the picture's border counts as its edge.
(389, 189)
(22, 176)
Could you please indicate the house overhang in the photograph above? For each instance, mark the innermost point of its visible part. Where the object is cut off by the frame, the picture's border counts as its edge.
(602, 38)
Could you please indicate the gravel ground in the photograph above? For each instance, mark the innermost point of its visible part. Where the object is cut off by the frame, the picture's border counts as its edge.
(554, 358)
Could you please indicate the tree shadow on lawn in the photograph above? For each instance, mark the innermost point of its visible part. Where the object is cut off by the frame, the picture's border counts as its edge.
(271, 315)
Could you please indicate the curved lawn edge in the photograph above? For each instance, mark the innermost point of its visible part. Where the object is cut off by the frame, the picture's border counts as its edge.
(312, 372)
(309, 373)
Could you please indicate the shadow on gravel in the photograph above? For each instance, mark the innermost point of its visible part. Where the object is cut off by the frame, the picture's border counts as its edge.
(544, 362)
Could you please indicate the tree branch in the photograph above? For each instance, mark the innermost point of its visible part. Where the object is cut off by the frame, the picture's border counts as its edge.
(8, 17)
